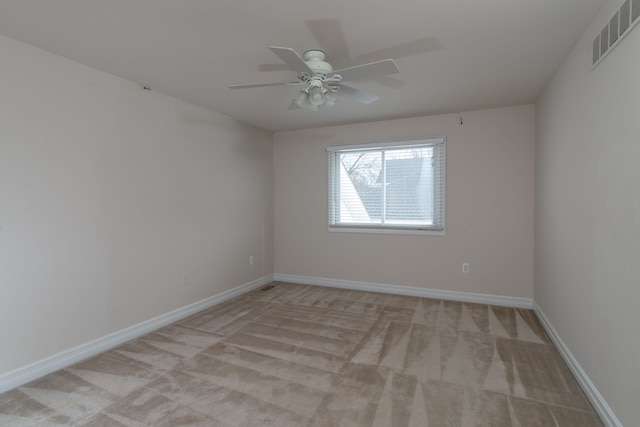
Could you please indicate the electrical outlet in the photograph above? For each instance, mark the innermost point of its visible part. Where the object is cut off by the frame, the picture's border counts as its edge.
(251, 260)
(465, 267)
(185, 278)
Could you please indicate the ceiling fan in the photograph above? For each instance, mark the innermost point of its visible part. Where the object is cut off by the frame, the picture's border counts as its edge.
(321, 83)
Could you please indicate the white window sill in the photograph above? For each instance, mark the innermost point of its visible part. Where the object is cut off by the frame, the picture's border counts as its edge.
(387, 230)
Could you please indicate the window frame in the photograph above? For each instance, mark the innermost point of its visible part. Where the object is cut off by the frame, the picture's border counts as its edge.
(439, 184)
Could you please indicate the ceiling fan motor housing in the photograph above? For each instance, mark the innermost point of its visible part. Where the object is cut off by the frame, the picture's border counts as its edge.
(314, 58)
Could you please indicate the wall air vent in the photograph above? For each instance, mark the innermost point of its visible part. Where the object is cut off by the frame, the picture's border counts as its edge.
(620, 24)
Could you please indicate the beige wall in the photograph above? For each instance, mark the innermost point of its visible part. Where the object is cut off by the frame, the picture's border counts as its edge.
(490, 186)
(587, 255)
(108, 193)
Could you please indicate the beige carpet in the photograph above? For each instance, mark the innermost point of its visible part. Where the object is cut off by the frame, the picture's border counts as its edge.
(294, 355)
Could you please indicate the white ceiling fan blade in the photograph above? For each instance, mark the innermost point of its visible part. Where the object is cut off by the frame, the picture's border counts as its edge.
(356, 95)
(365, 71)
(292, 58)
(265, 85)
(403, 50)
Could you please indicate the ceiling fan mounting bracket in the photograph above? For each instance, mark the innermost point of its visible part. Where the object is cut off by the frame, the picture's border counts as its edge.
(313, 54)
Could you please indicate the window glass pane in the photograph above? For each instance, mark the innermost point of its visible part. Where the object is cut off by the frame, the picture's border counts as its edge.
(408, 178)
(387, 186)
(360, 187)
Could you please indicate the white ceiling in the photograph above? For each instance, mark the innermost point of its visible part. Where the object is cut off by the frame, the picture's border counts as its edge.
(452, 55)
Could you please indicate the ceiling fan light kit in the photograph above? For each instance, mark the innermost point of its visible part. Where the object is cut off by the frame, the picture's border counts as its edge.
(315, 98)
(322, 84)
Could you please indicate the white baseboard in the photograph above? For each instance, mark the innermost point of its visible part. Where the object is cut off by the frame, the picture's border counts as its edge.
(33, 371)
(600, 405)
(409, 290)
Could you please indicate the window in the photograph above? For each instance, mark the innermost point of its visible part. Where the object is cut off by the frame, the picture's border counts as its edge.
(391, 187)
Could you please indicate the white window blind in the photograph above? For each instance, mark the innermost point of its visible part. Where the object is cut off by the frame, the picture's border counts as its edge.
(388, 187)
